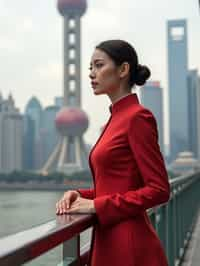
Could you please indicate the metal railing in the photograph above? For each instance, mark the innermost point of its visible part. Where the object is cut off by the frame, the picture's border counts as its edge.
(173, 222)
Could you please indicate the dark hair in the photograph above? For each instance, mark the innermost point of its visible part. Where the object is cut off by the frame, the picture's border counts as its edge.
(121, 51)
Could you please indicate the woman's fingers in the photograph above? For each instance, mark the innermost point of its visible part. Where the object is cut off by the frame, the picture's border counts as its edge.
(64, 204)
(61, 206)
(69, 197)
(57, 207)
(66, 198)
(67, 202)
(81, 205)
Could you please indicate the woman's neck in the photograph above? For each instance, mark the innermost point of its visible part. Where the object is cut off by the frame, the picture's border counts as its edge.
(116, 98)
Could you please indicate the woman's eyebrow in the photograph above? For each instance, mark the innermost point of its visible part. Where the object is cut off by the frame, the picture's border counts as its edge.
(96, 60)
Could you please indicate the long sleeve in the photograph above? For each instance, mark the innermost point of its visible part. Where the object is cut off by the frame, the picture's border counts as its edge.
(143, 141)
(86, 193)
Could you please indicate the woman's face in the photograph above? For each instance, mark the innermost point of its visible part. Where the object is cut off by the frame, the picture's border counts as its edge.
(104, 74)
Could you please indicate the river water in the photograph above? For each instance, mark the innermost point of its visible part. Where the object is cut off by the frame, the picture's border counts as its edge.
(20, 210)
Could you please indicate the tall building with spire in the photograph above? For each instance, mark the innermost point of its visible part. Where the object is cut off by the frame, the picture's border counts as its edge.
(177, 84)
(70, 154)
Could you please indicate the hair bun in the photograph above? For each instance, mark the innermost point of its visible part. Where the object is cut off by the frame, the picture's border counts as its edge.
(142, 74)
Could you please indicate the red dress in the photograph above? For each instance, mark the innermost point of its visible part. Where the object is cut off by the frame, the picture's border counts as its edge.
(129, 177)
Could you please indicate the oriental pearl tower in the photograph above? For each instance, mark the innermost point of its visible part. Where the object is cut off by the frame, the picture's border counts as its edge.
(70, 154)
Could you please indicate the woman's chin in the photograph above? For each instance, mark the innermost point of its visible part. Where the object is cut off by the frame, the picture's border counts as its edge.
(97, 92)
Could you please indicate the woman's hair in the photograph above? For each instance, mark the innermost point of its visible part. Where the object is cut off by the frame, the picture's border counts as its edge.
(121, 51)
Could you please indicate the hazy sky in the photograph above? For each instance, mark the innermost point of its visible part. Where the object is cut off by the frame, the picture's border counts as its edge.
(31, 43)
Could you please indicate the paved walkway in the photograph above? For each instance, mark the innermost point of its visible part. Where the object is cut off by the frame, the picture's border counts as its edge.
(192, 256)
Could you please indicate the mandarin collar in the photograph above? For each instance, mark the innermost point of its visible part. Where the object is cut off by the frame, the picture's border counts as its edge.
(123, 102)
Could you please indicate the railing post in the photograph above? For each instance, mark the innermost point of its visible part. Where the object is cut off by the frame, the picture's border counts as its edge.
(171, 243)
(71, 252)
(174, 232)
(181, 218)
(161, 224)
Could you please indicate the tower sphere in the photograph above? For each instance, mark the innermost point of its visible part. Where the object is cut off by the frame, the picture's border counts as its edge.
(71, 121)
(72, 7)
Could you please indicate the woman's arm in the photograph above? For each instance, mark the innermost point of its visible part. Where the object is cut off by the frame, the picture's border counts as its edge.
(86, 193)
(143, 140)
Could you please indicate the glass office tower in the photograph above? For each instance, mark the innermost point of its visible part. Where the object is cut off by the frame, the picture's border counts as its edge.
(177, 83)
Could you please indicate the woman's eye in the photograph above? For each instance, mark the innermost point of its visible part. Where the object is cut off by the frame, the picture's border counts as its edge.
(99, 65)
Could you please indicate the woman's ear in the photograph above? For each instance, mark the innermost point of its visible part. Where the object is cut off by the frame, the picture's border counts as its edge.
(124, 70)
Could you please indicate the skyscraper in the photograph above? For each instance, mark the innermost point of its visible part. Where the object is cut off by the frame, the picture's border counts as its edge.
(177, 83)
(11, 132)
(33, 110)
(50, 138)
(151, 96)
(194, 112)
(58, 101)
(28, 143)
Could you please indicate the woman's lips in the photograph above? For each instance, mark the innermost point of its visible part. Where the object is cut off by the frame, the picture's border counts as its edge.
(94, 84)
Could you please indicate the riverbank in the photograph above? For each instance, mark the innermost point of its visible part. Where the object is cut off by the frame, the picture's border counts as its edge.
(48, 186)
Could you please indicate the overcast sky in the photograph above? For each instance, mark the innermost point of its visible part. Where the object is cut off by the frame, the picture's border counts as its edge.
(31, 43)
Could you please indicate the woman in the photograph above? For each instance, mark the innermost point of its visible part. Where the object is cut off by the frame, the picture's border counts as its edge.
(127, 166)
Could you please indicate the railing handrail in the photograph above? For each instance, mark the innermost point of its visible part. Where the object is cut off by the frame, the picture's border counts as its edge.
(29, 244)
(184, 177)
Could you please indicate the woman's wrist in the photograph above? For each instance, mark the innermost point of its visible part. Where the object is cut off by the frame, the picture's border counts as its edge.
(93, 210)
(79, 194)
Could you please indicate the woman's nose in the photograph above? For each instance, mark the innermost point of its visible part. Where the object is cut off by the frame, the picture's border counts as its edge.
(92, 74)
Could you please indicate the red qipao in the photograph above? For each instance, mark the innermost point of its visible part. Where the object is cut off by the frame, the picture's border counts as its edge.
(129, 177)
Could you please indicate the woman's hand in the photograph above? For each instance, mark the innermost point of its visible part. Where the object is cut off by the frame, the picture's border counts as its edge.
(81, 205)
(65, 202)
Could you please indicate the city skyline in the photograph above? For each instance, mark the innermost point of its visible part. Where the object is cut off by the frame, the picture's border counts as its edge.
(31, 48)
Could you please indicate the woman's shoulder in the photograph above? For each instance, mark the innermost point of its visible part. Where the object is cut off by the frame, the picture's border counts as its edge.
(141, 113)
(141, 110)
